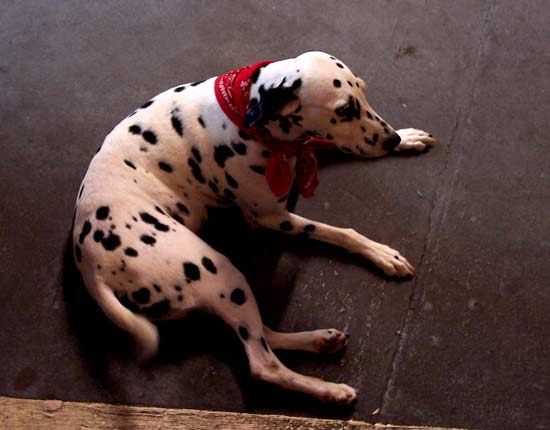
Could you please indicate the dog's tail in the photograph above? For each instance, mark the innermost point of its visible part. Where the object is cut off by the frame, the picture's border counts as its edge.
(144, 332)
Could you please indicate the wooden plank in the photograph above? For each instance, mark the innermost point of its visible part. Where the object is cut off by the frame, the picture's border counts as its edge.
(25, 414)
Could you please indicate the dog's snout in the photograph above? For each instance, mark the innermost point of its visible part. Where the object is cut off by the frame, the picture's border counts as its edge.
(392, 141)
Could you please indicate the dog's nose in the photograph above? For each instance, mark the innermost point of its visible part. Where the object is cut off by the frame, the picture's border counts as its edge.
(392, 141)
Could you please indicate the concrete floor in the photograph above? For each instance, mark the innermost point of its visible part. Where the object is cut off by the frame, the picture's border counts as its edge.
(465, 343)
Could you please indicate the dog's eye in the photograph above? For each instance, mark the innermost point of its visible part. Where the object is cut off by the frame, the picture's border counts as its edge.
(343, 110)
(349, 111)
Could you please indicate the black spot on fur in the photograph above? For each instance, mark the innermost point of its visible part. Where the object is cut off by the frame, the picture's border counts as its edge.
(309, 228)
(134, 129)
(209, 265)
(157, 288)
(158, 309)
(196, 170)
(296, 84)
(86, 228)
(146, 104)
(255, 75)
(78, 253)
(80, 192)
(165, 166)
(266, 153)
(179, 89)
(286, 226)
(333, 121)
(229, 194)
(130, 164)
(201, 122)
(191, 272)
(161, 227)
(221, 154)
(111, 242)
(102, 212)
(131, 252)
(159, 210)
(150, 137)
(213, 186)
(375, 137)
(128, 304)
(182, 208)
(243, 332)
(176, 124)
(340, 65)
(196, 153)
(239, 147)
(337, 83)
(178, 219)
(141, 296)
(264, 344)
(238, 297)
(244, 136)
(150, 219)
(194, 84)
(231, 180)
(147, 218)
(98, 235)
(369, 115)
(258, 169)
(148, 240)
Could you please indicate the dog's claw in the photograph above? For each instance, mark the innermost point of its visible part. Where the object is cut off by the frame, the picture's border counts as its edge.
(390, 261)
(332, 341)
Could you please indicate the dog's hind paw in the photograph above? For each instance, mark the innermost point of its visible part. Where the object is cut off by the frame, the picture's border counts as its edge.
(331, 340)
(341, 394)
(413, 139)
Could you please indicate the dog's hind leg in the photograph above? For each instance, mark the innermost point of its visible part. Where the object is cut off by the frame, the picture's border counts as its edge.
(144, 332)
(239, 310)
(319, 341)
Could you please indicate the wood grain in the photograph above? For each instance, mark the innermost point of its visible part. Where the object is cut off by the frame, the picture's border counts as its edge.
(24, 414)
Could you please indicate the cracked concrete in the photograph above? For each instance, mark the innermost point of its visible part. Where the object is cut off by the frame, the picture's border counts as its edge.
(464, 344)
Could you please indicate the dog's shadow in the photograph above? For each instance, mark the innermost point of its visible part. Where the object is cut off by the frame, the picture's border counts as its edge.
(256, 253)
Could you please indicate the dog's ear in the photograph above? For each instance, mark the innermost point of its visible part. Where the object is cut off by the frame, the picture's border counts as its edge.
(275, 101)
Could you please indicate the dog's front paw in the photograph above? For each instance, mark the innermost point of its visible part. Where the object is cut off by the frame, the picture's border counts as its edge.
(389, 260)
(411, 138)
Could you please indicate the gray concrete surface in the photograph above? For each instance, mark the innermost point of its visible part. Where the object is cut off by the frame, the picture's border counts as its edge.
(464, 344)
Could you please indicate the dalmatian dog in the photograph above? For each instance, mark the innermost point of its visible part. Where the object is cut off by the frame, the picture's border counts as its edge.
(146, 193)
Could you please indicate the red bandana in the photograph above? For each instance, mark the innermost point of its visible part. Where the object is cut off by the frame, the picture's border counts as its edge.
(233, 94)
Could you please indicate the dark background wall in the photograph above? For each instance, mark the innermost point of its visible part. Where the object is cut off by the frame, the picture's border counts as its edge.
(465, 343)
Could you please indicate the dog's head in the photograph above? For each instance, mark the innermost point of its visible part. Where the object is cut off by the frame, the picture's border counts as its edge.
(316, 95)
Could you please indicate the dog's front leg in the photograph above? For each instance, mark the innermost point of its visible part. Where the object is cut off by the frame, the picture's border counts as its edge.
(386, 258)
